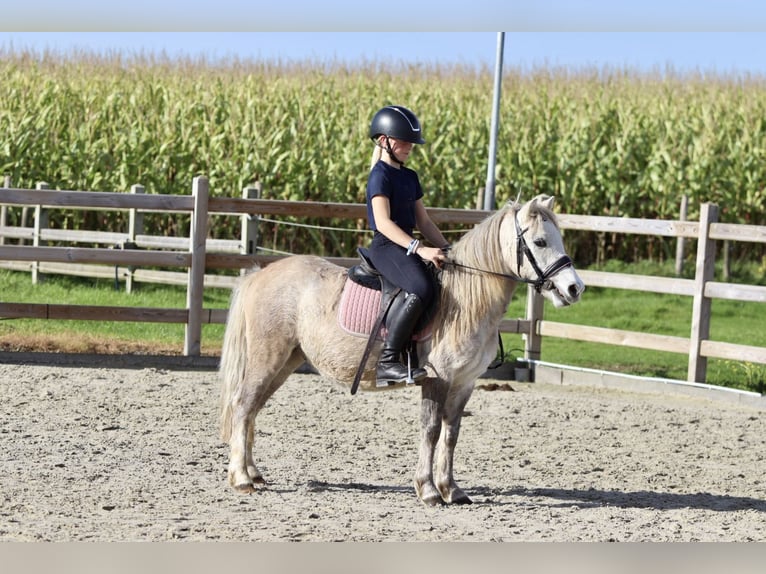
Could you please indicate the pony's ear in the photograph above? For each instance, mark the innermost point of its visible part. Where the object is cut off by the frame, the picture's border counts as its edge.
(545, 200)
(513, 202)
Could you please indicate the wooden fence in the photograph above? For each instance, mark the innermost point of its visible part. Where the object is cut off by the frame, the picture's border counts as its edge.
(197, 253)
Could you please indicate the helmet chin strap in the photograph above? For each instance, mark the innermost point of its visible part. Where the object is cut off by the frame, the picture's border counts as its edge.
(391, 152)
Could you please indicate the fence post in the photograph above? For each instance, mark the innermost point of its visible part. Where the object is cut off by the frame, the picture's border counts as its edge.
(196, 283)
(533, 342)
(41, 222)
(23, 222)
(705, 271)
(135, 227)
(249, 242)
(680, 241)
(4, 209)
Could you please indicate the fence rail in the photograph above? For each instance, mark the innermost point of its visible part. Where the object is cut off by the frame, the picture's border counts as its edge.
(196, 253)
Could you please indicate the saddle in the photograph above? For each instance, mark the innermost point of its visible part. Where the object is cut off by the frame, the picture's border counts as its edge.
(367, 294)
(374, 285)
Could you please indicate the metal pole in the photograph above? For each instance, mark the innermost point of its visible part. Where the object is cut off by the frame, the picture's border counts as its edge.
(489, 189)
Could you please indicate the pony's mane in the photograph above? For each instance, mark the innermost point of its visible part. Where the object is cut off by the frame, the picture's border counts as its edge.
(464, 289)
(483, 293)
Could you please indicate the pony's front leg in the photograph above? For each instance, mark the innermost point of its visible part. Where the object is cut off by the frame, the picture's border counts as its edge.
(433, 393)
(450, 492)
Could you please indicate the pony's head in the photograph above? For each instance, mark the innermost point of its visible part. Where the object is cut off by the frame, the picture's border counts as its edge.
(538, 251)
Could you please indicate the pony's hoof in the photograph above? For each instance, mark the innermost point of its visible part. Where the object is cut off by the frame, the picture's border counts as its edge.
(428, 494)
(433, 500)
(255, 475)
(456, 496)
(462, 500)
(246, 488)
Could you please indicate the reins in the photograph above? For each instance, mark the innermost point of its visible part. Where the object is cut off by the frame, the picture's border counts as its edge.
(488, 272)
(543, 277)
(539, 283)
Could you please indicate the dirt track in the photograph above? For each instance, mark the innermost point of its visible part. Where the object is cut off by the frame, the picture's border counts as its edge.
(132, 454)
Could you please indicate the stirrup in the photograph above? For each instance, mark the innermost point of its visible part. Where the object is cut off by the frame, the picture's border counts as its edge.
(380, 383)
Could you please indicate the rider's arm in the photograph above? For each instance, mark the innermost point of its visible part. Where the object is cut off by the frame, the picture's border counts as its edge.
(427, 227)
(381, 209)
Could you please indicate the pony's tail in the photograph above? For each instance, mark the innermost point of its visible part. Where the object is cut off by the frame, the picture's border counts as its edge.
(233, 359)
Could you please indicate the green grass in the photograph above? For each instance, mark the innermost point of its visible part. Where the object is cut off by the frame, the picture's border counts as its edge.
(17, 288)
(732, 321)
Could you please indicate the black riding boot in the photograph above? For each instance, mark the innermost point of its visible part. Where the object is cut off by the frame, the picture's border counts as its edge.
(400, 322)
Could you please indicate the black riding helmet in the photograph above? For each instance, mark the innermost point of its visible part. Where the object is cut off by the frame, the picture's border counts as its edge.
(396, 122)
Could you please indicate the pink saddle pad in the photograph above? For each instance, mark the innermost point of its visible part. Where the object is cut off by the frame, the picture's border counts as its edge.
(359, 308)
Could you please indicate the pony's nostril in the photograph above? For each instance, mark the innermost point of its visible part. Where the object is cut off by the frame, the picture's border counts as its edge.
(573, 290)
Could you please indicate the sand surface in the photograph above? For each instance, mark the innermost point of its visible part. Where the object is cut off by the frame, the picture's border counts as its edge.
(132, 454)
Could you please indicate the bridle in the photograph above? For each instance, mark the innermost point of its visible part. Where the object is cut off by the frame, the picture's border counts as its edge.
(543, 277)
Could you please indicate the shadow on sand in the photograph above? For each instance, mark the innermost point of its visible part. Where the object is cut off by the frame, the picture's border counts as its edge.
(575, 497)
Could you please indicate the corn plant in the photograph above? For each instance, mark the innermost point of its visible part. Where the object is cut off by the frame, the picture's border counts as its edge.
(605, 142)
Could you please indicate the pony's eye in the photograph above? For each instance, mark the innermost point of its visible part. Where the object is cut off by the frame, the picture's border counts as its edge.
(540, 242)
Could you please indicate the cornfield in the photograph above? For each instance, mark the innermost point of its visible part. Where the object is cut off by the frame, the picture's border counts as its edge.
(604, 141)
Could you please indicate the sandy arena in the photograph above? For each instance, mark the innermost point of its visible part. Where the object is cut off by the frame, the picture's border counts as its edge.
(132, 454)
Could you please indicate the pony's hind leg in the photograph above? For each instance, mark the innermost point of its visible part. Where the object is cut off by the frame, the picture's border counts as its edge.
(243, 474)
(257, 388)
(252, 471)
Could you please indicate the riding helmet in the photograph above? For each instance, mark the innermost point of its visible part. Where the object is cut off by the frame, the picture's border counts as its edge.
(397, 122)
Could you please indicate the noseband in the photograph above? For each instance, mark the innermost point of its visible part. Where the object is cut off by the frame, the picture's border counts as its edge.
(522, 249)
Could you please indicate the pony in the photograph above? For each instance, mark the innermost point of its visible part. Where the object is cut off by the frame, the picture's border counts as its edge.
(286, 314)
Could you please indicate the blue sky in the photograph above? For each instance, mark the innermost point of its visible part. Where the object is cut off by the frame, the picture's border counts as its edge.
(723, 36)
(391, 15)
(708, 52)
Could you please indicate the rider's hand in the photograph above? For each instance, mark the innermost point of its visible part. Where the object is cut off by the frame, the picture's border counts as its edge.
(433, 254)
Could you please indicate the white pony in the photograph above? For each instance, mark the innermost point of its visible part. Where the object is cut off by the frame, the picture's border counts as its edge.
(287, 313)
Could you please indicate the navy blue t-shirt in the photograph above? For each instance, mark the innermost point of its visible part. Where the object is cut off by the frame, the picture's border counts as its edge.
(401, 187)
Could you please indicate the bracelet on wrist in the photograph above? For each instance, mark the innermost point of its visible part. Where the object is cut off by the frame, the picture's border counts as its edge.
(413, 246)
